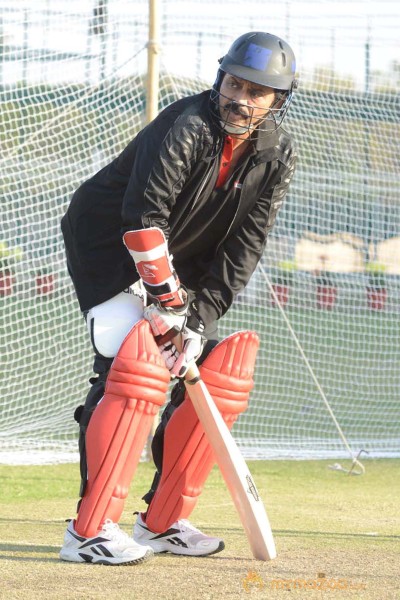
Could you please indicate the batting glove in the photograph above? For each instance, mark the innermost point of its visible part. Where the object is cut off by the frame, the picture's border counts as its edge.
(191, 342)
(162, 320)
(170, 354)
(192, 347)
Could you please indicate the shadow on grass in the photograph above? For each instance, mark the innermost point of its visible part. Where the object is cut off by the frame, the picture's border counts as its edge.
(34, 549)
(301, 533)
(233, 530)
(32, 521)
(334, 535)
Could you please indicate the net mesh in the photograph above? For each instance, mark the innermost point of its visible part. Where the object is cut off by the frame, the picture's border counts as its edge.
(72, 90)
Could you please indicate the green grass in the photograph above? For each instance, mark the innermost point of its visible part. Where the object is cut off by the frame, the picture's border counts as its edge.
(355, 356)
(328, 527)
(356, 359)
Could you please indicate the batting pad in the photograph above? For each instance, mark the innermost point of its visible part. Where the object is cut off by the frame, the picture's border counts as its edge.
(188, 457)
(117, 432)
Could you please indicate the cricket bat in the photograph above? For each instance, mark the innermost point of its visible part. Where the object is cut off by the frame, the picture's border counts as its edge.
(233, 468)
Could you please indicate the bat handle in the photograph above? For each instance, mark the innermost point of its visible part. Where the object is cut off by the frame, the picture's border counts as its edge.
(192, 375)
(163, 339)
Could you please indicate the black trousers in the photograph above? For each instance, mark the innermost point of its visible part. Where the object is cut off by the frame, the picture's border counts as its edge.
(83, 413)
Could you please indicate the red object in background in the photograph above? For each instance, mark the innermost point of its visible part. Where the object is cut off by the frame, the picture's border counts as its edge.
(45, 284)
(7, 281)
(282, 293)
(326, 296)
(376, 298)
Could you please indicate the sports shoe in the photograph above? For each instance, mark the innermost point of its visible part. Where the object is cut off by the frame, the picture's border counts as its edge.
(110, 546)
(181, 538)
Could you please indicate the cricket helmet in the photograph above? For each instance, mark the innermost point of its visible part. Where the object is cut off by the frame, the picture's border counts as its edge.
(263, 59)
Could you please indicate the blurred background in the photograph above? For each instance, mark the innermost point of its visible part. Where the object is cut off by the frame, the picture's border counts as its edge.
(79, 79)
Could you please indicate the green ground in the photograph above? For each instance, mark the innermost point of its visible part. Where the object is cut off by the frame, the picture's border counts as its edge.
(331, 530)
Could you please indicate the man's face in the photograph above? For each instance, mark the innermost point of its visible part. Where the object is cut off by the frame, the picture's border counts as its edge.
(243, 104)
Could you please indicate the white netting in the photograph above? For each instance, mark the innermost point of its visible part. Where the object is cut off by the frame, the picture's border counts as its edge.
(72, 92)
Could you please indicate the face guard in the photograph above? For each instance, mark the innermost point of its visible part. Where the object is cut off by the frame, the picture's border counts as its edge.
(268, 120)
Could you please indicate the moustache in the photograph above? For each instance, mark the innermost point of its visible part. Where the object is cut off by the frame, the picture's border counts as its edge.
(236, 109)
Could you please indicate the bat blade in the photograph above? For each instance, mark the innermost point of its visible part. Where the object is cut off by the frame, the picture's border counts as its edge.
(233, 468)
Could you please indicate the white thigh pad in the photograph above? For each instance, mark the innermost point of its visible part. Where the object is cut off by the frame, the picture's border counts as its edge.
(110, 322)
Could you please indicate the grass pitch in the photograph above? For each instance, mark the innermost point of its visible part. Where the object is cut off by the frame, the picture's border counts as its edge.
(336, 535)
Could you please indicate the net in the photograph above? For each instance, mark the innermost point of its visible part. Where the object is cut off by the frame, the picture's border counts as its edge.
(72, 92)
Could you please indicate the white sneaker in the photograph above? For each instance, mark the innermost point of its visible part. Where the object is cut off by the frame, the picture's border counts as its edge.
(110, 546)
(181, 538)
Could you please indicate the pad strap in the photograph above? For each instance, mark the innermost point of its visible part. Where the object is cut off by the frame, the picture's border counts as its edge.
(149, 250)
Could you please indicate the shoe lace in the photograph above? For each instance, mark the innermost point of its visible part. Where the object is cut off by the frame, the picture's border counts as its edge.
(113, 531)
(186, 525)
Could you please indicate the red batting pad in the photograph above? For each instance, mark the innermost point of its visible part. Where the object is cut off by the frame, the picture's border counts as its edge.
(136, 388)
(188, 457)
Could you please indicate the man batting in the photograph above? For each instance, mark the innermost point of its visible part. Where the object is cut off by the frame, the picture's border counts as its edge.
(163, 238)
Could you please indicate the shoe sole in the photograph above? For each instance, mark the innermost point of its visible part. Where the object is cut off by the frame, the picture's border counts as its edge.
(162, 548)
(89, 559)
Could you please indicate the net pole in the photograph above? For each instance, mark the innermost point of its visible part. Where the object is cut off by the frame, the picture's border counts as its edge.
(153, 60)
(153, 77)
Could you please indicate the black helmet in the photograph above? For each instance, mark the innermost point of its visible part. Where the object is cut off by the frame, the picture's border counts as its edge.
(263, 59)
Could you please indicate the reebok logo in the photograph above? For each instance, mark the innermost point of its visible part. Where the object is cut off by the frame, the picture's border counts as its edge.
(167, 536)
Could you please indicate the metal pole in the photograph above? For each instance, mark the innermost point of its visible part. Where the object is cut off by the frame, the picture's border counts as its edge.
(367, 64)
(153, 61)
(1, 50)
(287, 21)
(25, 48)
(153, 76)
(103, 30)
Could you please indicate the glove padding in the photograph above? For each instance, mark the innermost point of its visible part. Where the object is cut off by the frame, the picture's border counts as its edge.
(162, 320)
(170, 354)
(192, 343)
(186, 328)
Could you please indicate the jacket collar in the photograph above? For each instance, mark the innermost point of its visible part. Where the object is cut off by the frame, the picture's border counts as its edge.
(266, 146)
(266, 139)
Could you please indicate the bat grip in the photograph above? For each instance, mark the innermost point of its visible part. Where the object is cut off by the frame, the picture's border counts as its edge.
(163, 339)
(192, 374)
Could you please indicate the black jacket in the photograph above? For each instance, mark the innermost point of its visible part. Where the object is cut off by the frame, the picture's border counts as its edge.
(166, 178)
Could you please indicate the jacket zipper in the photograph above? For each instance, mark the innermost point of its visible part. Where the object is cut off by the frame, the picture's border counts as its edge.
(229, 229)
(203, 184)
(236, 212)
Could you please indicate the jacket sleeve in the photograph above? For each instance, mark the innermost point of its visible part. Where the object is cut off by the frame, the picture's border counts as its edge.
(164, 156)
(239, 254)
